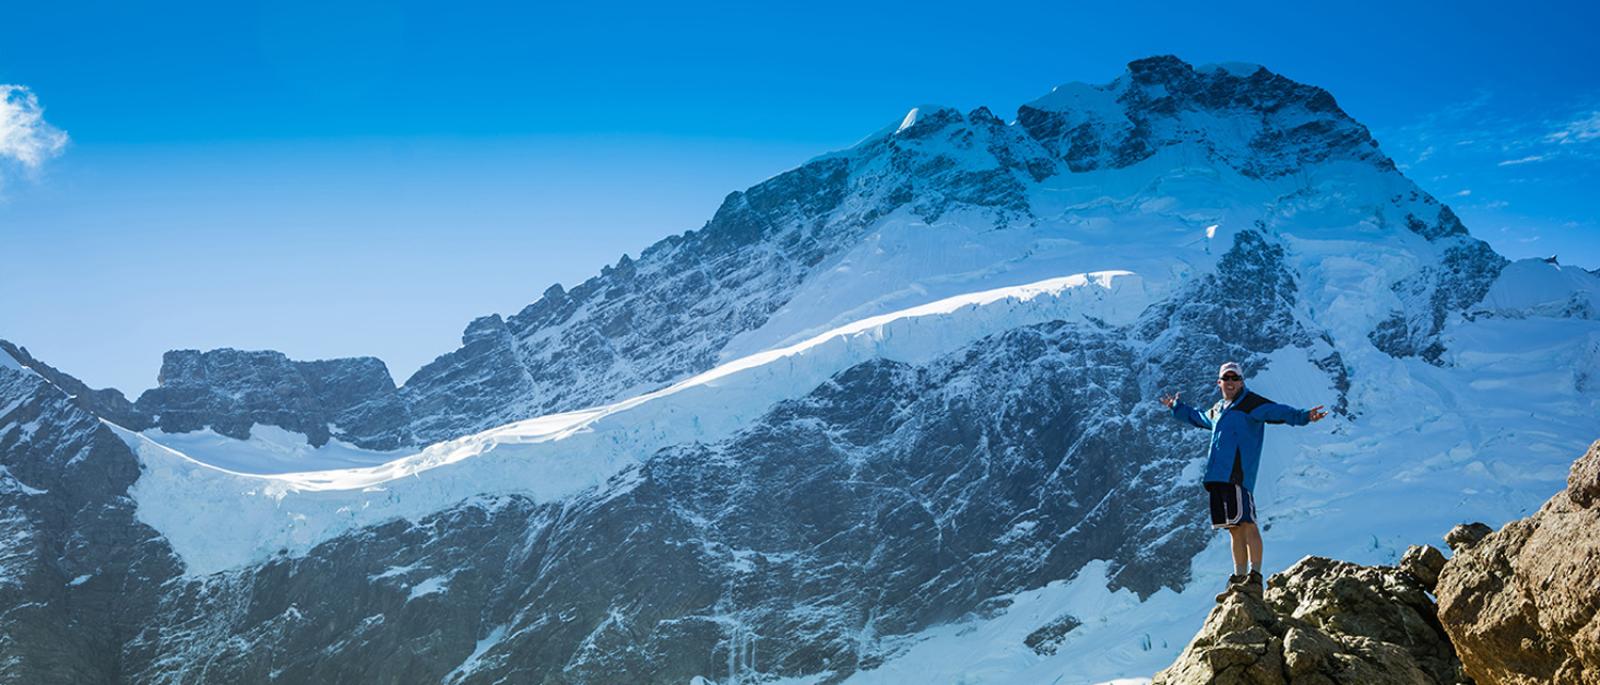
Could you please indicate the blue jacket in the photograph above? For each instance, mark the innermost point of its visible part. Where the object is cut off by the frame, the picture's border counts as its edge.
(1236, 431)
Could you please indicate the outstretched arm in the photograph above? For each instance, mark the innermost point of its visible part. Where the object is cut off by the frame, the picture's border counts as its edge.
(1272, 412)
(1185, 413)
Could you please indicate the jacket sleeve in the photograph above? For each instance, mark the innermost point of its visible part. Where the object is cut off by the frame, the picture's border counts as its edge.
(1273, 412)
(1190, 415)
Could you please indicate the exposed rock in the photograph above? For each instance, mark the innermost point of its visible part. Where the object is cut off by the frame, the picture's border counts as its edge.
(229, 391)
(1466, 535)
(1583, 483)
(78, 571)
(1321, 621)
(1466, 271)
(1424, 562)
(1048, 637)
(1150, 107)
(643, 323)
(1523, 604)
(107, 403)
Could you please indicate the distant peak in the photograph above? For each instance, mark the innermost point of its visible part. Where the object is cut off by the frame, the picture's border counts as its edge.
(1160, 69)
(924, 117)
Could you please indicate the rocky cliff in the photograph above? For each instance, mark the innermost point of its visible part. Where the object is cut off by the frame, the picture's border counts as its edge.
(1322, 622)
(1522, 605)
(229, 391)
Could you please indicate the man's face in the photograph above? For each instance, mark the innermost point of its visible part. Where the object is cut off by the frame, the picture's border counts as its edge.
(1230, 383)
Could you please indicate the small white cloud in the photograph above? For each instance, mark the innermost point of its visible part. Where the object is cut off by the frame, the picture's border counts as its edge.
(1465, 193)
(1581, 130)
(1496, 204)
(1524, 160)
(1425, 155)
(26, 139)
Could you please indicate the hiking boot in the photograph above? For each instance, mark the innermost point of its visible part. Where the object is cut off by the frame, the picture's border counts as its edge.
(1234, 581)
(1254, 584)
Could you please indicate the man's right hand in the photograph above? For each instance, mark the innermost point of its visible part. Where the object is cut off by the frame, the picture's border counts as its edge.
(1169, 400)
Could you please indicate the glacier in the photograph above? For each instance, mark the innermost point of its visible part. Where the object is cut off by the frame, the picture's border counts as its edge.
(221, 518)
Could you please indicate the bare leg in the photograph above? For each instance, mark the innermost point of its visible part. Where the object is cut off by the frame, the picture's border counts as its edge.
(1252, 541)
(1241, 541)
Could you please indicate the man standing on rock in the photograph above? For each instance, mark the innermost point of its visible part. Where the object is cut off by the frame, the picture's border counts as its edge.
(1236, 423)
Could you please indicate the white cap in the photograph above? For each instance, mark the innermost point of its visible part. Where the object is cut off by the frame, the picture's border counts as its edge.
(1230, 366)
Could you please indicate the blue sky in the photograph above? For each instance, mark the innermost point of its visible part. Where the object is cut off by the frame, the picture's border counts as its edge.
(363, 179)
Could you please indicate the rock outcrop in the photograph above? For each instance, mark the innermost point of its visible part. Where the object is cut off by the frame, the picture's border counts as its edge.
(229, 391)
(1466, 535)
(1322, 621)
(1521, 605)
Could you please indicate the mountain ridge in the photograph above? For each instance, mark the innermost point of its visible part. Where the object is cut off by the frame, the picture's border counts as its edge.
(692, 299)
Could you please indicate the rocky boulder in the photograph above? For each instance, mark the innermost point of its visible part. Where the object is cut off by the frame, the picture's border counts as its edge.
(1466, 535)
(1521, 605)
(1424, 562)
(1322, 621)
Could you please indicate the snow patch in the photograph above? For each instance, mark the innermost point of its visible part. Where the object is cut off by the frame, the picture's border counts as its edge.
(270, 450)
(1534, 287)
(1119, 635)
(431, 586)
(910, 120)
(475, 660)
(10, 483)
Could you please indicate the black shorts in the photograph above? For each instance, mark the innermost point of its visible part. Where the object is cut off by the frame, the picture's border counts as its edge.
(1231, 505)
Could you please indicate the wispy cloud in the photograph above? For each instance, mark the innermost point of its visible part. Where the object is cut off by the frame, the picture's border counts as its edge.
(26, 139)
(1465, 193)
(1583, 129)
(1523, 160)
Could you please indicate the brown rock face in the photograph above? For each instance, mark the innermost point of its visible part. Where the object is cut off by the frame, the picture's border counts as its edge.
(1322, 622)
(1466, 535)
(1424, 562)
(1521, 605)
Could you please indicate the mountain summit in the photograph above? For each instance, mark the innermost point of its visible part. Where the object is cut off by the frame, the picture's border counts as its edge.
(938, 203)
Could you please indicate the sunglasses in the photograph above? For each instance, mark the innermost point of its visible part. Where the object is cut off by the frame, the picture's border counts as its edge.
(1230, 377)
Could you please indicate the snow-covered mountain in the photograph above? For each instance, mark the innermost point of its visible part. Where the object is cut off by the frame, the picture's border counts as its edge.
(888, 417)
(938, 204)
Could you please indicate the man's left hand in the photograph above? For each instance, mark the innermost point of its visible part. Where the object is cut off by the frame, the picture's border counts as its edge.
(1317, 414)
